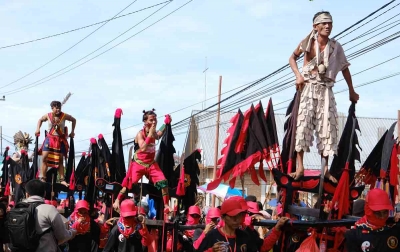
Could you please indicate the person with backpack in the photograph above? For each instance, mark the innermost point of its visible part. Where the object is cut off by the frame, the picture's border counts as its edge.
(34, 226)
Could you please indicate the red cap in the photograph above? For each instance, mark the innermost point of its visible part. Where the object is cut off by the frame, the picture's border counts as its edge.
(214, 212)
(82, 204)
(194, 210)
(231, 207)
(242, 202)
(128, 208)
(378, 200)
(253, 207)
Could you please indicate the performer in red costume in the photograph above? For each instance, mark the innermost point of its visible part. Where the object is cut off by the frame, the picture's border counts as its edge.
(144, 163)
(55, 146)
(130, 234)
(88, 231)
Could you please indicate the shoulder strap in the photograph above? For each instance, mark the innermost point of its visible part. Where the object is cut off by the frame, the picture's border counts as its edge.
(45, 232)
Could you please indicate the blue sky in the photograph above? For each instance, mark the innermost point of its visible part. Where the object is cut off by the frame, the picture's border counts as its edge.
(162, 67)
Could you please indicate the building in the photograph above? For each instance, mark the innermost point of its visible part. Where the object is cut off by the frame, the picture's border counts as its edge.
(202, 133)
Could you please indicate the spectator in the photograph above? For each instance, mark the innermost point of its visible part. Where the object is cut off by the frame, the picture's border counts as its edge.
(231, 238)
(251, 198)
(372, 232)
(48, 219)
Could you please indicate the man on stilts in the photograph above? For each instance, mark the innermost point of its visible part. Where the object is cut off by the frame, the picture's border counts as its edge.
(324, 58)
(55, 145)
(144, 159)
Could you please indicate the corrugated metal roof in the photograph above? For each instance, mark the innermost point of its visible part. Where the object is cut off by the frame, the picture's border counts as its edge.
(203, 132)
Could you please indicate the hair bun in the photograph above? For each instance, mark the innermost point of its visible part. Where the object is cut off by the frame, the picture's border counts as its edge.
(153, 109)
(144, 111)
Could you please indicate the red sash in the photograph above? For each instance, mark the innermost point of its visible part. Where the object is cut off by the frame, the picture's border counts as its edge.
(54, 141)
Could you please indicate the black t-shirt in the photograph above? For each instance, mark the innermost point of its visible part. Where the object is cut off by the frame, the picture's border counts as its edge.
(86, 242)
(115, 243)
(241, 241)
(364, 240)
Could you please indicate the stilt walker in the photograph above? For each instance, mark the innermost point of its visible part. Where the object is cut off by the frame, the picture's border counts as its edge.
(55, 145)
(144, 159)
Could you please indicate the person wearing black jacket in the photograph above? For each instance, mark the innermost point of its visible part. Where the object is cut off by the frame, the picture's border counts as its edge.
(372, 232)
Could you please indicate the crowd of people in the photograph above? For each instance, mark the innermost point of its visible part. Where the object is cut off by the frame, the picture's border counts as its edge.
(232, 226)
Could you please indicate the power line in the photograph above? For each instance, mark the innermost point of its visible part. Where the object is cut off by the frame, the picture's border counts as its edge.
(36, 83)
(251, 84)
(361, 85)
(287, 65)
(369, 68)
(83, 27)
(48, 62)
(358, 86)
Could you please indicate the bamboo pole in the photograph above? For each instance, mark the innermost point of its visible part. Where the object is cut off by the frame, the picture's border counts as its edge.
(217, 137)
(398, 156)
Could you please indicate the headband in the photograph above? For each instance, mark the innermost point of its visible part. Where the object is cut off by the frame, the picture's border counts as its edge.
(305, 45)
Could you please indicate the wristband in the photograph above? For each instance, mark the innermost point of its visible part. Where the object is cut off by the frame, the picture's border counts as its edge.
(120, 196)
(162, 128)
(148, 140)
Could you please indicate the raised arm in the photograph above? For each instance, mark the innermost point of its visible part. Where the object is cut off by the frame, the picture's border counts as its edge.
(39, 124)
(293, 64)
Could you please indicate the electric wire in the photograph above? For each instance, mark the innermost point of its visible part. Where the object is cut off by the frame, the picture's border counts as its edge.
(70, 48)
(31, 86)
(83, 27)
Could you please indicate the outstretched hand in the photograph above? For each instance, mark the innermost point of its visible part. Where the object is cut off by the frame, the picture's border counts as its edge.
(72, 135)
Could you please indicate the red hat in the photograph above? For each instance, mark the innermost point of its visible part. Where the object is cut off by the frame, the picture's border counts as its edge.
(231, 207)
(82, 204)
(128, 208)
(194, 210)
(378, 200)
(242, 202)
(214, 212)
(253, 207)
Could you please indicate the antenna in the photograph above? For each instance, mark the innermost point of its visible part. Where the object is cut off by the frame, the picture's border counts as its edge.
(205, 86)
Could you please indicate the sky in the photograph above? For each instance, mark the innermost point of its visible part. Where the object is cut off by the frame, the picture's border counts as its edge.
(162, 67)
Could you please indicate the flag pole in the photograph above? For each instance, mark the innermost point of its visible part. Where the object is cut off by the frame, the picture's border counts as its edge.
(398, 156)
(217, 137)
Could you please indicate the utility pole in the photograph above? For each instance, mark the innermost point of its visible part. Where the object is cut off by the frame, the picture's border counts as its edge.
(1, 140)
(205, 85)
(1, 131)
(217, 138)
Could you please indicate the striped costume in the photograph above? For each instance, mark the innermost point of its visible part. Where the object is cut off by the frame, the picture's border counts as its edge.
(56, 140)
